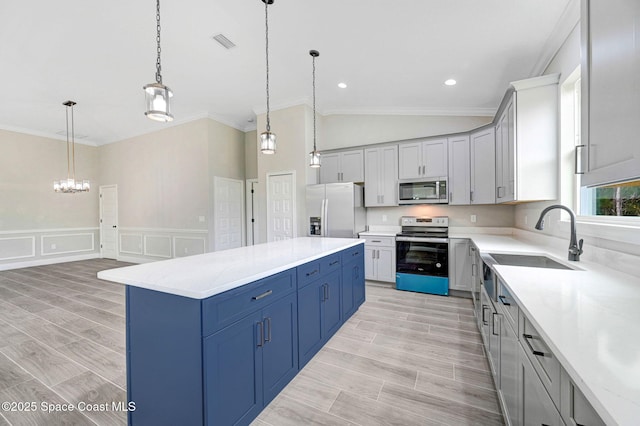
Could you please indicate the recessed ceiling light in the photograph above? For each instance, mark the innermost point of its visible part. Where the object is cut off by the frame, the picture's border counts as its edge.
(450, 82)
(342, 85)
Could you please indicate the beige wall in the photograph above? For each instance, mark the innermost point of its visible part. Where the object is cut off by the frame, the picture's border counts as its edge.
(28, 167)
(162, 177)
(291, 126)
(341, 131)
(226, 151)
(251, 154)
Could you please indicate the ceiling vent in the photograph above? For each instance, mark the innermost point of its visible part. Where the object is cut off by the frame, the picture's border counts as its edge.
(225, 42)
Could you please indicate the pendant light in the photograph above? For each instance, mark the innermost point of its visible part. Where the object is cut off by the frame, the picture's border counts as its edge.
(267, 139)
(70, 184)
(314, 156)
(157, 94)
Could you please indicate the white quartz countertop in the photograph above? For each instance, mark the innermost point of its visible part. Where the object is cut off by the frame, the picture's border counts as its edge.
(209, 274)
(590, 318)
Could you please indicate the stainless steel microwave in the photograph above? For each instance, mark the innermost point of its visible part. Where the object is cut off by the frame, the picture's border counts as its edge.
(421, 191)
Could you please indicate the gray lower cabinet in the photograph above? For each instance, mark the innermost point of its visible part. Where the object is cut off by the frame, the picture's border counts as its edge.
(537, 408)
(461, 268)
(533, 388)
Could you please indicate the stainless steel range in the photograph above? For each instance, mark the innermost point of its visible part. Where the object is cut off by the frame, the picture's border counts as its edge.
(422, 255)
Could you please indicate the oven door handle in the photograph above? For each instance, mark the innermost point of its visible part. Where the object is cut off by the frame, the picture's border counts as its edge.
(423, 239)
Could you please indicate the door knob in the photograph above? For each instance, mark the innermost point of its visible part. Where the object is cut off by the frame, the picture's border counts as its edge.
(114, 226)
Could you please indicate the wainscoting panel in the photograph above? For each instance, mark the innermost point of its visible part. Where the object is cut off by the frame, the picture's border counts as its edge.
(131, 243)
(187, 246)
(66, 243)
(17, 247)
(157, 246)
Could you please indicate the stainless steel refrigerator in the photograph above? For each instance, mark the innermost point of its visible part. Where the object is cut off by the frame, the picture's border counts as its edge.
(335, 210)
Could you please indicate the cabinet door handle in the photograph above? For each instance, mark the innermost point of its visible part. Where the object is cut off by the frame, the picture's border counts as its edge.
(334, 262)
(315, 271)
(263, 295)
(424, 170)
(382, 198)
(493, 326)
(484, 320)
(261, 340)
(471, 195)
(503, 302)
(376, 241)
(528, 337)
(355, 254)
(419, 168)
(373, 254)
(579, 170)
(268, 327)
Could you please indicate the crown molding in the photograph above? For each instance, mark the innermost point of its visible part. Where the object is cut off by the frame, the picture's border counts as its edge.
(568, 20)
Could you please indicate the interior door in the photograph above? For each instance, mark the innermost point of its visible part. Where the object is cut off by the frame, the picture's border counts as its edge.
(228, 203)
(281, 204)
(109, 221)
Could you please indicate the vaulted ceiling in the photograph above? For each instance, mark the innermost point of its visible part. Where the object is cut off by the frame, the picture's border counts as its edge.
(394, 56)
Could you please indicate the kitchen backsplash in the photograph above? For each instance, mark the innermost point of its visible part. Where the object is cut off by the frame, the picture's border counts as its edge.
(485, 215)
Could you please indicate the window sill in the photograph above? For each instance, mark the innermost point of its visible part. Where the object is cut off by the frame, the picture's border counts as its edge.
(621, 229)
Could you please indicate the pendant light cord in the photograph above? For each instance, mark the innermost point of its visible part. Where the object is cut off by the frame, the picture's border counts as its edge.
(314, 103)
(158, 66)
(68, 153)
(266, 26)
(73, 146)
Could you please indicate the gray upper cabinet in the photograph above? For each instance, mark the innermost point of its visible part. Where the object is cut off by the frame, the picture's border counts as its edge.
(483, 166)
(610, 92)
(425, 159)
(345, 166)
(459, 170)
(381, 176)
(527, 141)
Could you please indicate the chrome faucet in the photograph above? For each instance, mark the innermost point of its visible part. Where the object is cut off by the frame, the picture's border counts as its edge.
(575, 248)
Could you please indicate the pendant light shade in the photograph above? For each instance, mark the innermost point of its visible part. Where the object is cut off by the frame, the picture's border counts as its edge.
(267, 139)
(314, 156)
(71, 185)
(268, 142)
(158, 102)
(158, 96)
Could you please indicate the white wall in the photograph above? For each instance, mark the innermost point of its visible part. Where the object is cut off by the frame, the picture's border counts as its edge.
(459, 216)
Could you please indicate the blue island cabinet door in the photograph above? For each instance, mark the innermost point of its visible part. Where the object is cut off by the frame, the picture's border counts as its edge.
(358, 282)
(280, 350)
(331, 307)
(352, 287)
(310, 300)
(233, 373)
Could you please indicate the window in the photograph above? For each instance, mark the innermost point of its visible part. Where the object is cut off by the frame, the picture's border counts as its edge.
(622, 199)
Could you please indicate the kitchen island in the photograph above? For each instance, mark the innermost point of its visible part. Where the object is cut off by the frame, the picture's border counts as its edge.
(213, 338)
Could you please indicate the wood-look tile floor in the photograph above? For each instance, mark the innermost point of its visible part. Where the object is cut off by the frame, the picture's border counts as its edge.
(402, 359)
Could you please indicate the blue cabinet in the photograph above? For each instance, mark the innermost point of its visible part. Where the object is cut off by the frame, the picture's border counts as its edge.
(220, 360)
(319, 314)
(249, 362)
(353, 293)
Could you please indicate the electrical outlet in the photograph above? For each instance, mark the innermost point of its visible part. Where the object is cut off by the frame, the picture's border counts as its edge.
(526, 219)
(384, 218)
(53, 246)
(186, 250)
(201, 219)
(474, 218)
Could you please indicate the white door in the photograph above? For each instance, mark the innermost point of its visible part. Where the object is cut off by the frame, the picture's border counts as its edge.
(409, 160)
(109, 221)
(228, 202)
(386, 264)
(281, 206)
(252, 211)
(459, 180)
(330, 170)
(372, 177)
(483, 167)
(352, 166)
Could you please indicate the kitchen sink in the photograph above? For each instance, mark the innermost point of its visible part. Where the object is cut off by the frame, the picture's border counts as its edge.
(532, 261)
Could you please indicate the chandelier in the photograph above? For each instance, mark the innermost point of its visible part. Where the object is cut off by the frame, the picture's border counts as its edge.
(71, 184)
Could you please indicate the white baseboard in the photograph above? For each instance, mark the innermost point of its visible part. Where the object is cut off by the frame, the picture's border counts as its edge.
(130, 259)
(47, 261)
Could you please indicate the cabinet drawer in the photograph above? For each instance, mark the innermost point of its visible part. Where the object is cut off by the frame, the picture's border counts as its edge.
(308, 273)
(352, 253)
(330, 263)
(543, 360)
(575, 409)
(508, 305)
(380, 241)
(224, 309)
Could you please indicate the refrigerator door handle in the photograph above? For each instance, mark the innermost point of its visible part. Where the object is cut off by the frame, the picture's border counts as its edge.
(326, 218)
(322, 222)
